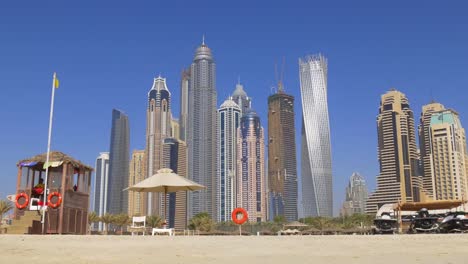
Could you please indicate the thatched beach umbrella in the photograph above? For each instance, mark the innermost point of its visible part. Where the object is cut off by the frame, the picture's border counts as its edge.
(165, 181)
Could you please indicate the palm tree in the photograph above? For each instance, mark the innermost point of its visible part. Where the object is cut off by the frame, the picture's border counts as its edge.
(201, 222)
(107, 219)
(154, 221)
(121, 220)
(92, 218)
(5, 207)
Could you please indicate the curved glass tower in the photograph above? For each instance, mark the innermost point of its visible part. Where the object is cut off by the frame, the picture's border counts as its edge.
(317, 193)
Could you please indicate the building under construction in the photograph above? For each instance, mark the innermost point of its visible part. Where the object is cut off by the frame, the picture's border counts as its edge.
(282, 169)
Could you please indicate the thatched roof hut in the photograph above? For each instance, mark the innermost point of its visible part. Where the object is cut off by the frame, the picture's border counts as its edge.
(55, 156)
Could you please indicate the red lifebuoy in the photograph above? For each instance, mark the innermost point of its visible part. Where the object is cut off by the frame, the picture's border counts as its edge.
(238, 211)
(56, 204)
(26, 200)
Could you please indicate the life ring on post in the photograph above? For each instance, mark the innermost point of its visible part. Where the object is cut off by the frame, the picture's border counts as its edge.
(57, 203)
(243, 219)
(26, 200)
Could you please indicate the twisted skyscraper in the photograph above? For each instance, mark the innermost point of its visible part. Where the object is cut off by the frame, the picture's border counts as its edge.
(201, 131)
(317, 196)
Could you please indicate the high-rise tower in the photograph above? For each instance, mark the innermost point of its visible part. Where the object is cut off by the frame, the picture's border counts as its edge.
(175, 158)
(251, 184)
(184, 88)
(282, 167)
(356, 196)
(229, 115)
(158, 127)
(316, 161)
(136, 200)
(201, 131)
(101, 187)
(449, 156)
(239, 96)
(425, 145)
(398, 157)
(118, 163)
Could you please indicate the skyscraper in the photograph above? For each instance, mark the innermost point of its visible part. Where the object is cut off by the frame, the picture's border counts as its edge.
(101, 187)
(398, 157)
(450, 156)
(356, 196)
(136, 200)
(118, 163)
(316, 161)
(239, 96)
(425, 145)
(282, 167)
(251, 184)
(175, 128)
(184, 89)
(175, 158)
(229, 115)
(201, 132)
(158, 127)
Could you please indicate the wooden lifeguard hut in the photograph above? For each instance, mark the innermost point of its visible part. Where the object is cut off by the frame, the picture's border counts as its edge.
(67, 195)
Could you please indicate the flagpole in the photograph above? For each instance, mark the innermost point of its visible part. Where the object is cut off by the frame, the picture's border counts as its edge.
(48, 152)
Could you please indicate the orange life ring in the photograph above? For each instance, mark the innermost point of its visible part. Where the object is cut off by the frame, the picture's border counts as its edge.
(56, 204)
(26, 200)
(239, 211)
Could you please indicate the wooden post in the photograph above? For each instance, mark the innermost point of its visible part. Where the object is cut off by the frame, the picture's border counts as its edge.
(18, 185)
(64, 181)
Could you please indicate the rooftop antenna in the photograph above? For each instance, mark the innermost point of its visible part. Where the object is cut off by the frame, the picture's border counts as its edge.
(203, 40)
(238, 80)
(280, 83)
(432, 96)
(276, 72)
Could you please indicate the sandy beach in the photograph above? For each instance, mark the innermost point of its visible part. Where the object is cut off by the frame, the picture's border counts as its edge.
(223, 249)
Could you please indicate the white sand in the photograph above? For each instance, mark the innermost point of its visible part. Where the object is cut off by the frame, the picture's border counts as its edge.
(223, 249)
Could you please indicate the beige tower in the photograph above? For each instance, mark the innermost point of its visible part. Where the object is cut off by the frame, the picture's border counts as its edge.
(448, 146)
(175, 129)
(251, 184)
(425, 145)
(398, 157)
(136, 200)
(158, 127)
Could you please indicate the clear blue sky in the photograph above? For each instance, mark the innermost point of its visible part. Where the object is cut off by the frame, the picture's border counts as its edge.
(106, 54)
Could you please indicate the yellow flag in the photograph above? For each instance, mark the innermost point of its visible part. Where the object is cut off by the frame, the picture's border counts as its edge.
(56, 82)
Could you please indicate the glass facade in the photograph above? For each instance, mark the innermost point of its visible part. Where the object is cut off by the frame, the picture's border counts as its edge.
(201, 132)
(118, 163)
(317, 192)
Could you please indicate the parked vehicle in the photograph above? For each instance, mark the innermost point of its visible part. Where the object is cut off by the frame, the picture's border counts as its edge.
(385, 225)
(454, 222)
(423, 222)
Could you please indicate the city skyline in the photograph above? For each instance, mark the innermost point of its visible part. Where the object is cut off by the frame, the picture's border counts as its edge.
(114, 54)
